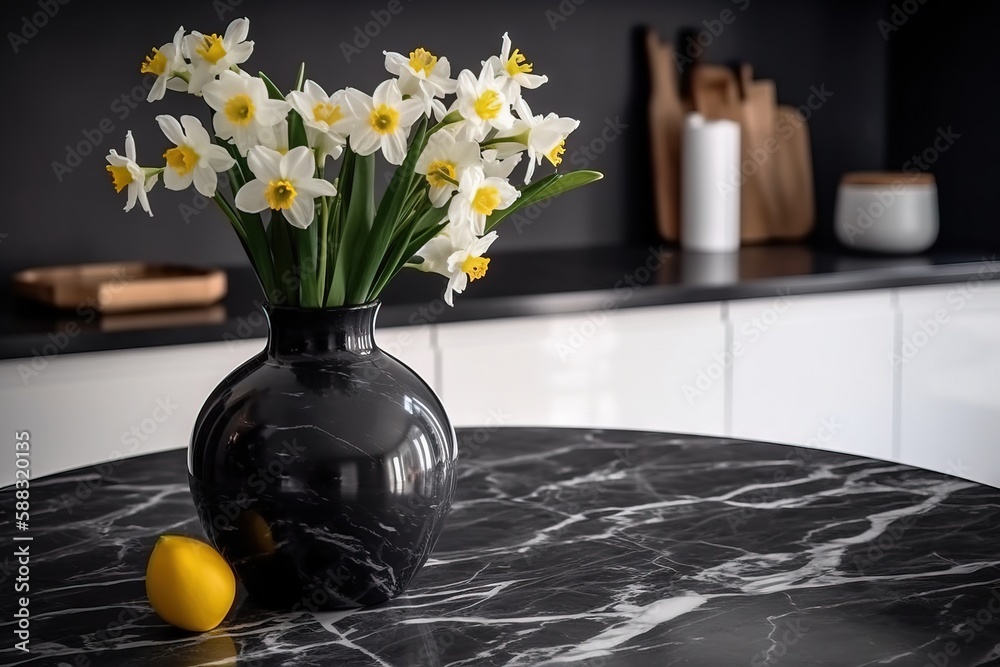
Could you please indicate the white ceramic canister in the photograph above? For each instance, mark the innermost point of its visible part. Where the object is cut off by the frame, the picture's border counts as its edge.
(892, 212)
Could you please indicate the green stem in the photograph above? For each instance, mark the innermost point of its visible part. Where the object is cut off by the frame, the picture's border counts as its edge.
(453, 117)
(324, 241)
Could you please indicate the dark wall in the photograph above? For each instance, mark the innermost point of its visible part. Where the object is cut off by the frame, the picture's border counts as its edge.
(67, 79)
(945, 61)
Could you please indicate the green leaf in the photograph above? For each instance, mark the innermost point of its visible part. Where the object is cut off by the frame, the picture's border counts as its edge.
(305, 241)
(284, 261)
(358, 214)
(550, 186)
(300, 77)
(404, 247)
(384, 224)
(272, 90)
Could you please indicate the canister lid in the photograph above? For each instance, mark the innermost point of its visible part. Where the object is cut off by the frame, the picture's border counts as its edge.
(876, 178)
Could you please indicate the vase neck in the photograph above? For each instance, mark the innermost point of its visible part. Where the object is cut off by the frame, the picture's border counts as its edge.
(315, 333)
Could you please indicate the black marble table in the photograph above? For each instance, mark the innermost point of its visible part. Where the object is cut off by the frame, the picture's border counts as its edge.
(566, 546)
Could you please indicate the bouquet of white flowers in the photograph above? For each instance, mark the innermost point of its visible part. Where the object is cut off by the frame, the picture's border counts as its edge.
(326, 242)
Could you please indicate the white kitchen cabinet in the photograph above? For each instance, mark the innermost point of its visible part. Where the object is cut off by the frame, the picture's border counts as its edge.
(814, 371)
(88, 408)
(948, 356)
(618, 369)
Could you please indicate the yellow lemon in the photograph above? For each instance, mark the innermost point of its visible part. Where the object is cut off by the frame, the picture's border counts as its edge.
(188, 583)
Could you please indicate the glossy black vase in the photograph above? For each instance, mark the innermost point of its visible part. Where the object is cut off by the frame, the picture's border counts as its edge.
(323, 468)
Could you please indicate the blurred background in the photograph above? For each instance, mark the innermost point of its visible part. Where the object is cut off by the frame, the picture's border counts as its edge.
(72, 85)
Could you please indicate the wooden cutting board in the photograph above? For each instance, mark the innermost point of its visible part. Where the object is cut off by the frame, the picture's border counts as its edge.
(795, 203)
(666, 119)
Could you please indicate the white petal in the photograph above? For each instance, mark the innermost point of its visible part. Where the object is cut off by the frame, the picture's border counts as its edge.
(129, 146)
(272, 112)
(410, 111)
(505, 48)
(251, 198)
(316, 187)
(264, 163)
(387, 93)
(395, 63)
(301, 213)
(394, 148)
(240, 53)
(237, 32)
(365, 141)
(174, 181)
(315, 91)
(205, 180)
(297, 164)
(359, 104)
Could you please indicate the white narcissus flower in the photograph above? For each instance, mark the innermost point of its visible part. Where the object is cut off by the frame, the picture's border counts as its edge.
(384, 120)
(545, 138)
(477, 197)
(482, 104)
(284, 183)
(242, 108)
(126, 173)
(166, 63)
(327, 119)
(445, 158)
(458, 256)
(515, 70)
(422, 76)
(194, 158)
(211, 55)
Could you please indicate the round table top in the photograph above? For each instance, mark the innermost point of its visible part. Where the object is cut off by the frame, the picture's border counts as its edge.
(565, 546)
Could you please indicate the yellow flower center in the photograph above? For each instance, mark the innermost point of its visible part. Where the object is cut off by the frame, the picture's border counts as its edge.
(486, 200)
(517, 64)
(239, 109)
(488, 105)
(384, 119)
(555, 155)
(435, 178)
(422, 60)
(280, 194)
(156, 63)
(212, 49)
(327, 113)
(120, 176)
(475, 267)
(181, 159)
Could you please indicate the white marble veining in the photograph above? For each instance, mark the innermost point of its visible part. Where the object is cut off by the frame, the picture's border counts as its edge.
(569, 547)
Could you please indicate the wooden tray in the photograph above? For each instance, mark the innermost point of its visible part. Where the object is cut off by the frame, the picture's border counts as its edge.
(122, 287)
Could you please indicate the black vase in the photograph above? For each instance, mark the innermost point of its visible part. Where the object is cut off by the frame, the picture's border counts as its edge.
(323, 468)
